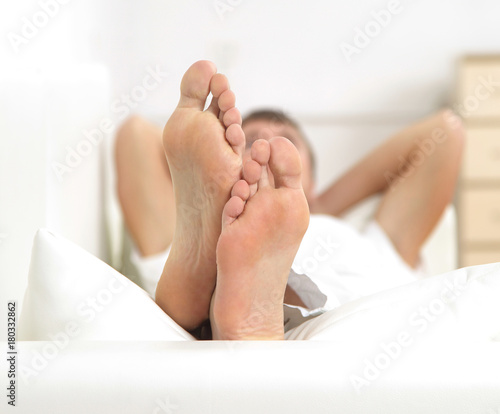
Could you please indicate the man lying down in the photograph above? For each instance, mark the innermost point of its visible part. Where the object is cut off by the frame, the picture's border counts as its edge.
(232, 209)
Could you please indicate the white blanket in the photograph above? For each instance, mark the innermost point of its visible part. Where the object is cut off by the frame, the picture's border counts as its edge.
(432, 346)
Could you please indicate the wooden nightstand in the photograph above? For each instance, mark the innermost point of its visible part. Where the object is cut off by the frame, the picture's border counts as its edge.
(479, 191)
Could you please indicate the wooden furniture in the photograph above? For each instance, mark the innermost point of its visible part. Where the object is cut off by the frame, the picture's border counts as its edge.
(479, 194)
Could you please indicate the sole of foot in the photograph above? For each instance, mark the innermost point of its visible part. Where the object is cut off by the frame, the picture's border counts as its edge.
(204, 150)
(262, 226)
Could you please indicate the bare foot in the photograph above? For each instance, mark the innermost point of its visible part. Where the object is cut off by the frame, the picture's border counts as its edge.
(262, 227)
(204, 151)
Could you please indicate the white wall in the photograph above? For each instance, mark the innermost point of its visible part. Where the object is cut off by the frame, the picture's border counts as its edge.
(283, 53)
(287, 52)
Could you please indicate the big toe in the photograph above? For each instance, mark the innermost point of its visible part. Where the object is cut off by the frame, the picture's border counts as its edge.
(195, 84)
(285, 163)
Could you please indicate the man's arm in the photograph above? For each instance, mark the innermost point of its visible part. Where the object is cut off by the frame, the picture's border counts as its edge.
(392, 162)
(416, 170)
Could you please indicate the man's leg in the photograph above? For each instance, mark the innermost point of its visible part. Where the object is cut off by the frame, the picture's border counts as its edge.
(262, 226)
(204, 153)
(144, 185)
(423, 184)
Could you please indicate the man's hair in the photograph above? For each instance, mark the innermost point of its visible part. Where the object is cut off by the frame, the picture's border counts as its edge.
(279, 117)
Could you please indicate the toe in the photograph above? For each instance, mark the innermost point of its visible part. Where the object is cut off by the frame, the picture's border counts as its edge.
(227, 100)
(261, 151)
(285, 163)
(218, 85)
(232, 116)
(233, 208)
(236, 138)
(195, 85)
(252, 171)
(241, 189)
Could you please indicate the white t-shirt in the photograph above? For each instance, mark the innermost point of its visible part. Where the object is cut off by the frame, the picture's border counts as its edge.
(345, 264)
(335, 264)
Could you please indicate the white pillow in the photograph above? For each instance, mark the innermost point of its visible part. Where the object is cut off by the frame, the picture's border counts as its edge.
(72, 295)
(463, 305)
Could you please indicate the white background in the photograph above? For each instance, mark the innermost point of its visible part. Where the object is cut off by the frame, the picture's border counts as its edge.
(284, 53)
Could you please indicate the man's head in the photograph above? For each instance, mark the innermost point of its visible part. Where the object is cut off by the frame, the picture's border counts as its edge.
(265, 124)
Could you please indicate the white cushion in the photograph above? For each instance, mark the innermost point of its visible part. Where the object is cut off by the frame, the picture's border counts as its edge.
(73, 295)
(462, 304)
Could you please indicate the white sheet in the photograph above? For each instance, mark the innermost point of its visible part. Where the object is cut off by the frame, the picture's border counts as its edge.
(257, 377)
(376, 354)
